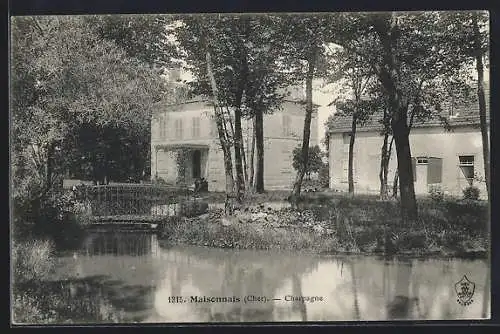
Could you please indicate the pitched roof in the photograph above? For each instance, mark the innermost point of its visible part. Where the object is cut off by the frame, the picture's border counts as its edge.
(465, 115)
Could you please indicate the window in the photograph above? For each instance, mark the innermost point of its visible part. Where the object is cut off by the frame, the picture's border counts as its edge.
(422, 160)
(466, 165)
(178, 128)
(196, 127)
(285, 126)
(213, 128)
(162, 122)
(434, 170)
(346, 137)
(466, 160)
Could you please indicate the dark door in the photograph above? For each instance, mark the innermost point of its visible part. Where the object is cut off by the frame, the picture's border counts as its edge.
(196, 164)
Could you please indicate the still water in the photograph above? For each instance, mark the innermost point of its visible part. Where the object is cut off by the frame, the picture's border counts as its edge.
(145, 282)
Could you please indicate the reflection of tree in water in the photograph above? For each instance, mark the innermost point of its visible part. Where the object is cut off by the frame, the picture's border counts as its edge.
(354, 291)
(220, 273)
(297, 291)
(402, 303)
(117, 265)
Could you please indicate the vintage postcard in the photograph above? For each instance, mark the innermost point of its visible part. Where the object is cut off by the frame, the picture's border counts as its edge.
(273, 167)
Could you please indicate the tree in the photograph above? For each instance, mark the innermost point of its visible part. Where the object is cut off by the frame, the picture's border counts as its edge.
(385, 154)
(246, 71)
(303, 39)
(480, 48)
(66, 78)
(267, 79)
(314, 160)
(356, 76)
(411, 55)
(470, 34)
(207, 47)
(144, 37)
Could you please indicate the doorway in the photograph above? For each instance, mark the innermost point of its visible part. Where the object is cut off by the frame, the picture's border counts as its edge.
(421, 175)
(196, 164)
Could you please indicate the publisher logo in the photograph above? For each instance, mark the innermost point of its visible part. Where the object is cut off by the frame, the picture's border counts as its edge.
(465, 290)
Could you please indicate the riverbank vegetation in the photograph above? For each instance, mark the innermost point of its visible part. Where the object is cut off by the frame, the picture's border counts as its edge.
(324, 223)
(38, 300)
(85, 91)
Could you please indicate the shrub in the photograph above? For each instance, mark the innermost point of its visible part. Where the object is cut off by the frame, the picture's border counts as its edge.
(436, 193)
(471, 193)
(32, 260)
(26, 309)
(324, 176)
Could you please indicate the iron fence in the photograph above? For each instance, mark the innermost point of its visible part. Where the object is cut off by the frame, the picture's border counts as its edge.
(132, 199)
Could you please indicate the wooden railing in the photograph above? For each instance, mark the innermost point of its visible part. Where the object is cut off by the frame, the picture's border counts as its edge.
(132, 199)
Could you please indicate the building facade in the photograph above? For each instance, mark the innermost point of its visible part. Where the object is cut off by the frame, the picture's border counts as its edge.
(185, 144)
(451, 159)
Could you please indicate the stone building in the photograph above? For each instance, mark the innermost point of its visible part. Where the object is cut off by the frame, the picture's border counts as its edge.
(185, 143)
(442, 158)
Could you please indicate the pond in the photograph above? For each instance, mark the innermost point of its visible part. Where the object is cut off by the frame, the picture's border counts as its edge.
(143, 281)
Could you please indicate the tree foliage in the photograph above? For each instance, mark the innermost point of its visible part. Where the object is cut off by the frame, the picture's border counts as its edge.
(314, 160)
(76, 100)
(417, 63)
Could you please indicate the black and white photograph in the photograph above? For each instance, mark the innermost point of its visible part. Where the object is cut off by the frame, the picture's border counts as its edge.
(249, 167)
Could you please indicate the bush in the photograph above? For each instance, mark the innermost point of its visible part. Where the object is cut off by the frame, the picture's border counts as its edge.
(436, 193)
(471, 193)
(26, 309)
(324, 176)
(32, 260)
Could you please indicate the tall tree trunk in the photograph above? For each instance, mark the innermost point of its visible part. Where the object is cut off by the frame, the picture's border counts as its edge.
(388, 32)
(307, 127)
(405, 173)
(395, 184)
(383, 171)
(259, 140)
(225, 144)
(350, 173)
(482, 103)
(238, 147)
(50, 166)
(244, 161)
(252, 154)
(384, 166)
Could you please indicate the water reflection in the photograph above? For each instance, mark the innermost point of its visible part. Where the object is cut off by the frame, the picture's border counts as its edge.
(142, 280)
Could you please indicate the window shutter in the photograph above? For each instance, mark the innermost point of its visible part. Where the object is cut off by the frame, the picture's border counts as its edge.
(434, 170)
(414, 168)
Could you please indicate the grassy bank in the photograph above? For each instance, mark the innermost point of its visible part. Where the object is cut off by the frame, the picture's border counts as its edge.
(37, 300)
(340, 224)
